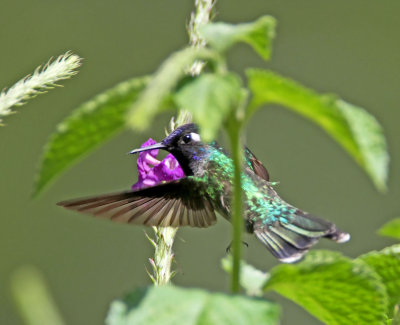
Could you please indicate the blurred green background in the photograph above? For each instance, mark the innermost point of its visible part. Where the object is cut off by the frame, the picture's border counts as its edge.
(351, 48)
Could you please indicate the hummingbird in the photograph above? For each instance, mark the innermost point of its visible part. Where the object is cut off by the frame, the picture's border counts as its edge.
(205, 192)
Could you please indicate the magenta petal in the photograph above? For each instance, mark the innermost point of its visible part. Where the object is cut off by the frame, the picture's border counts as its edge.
(152, 172)
(149, 179)
(172, 164)
(168, 169)
(150, 142)
(147, 157)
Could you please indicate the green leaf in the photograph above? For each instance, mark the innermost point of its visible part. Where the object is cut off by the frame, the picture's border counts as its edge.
(86, 128)
(210, 98)
(391, 229)
(251, 279)
(386, 264)
(356, 130)
(333, 288)
(258, 34)
(162, 84)
(174, 306)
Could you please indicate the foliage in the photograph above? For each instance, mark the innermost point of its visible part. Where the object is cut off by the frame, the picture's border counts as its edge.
(391, 229)
(386, 264)
(86, 128)
(209, 98)
(352, 127)
(161, 85)
(172, 305)
(333, 288)
(258, 35)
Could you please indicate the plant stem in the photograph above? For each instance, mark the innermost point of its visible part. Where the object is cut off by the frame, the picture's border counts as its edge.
(33, 299)
(164, 236)
(163, 255)
(198, 19)
(237, 206)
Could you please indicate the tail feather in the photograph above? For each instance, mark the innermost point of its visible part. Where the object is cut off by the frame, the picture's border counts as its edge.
(281, 249)
(295, 239)
(290, 240)
(311, 224)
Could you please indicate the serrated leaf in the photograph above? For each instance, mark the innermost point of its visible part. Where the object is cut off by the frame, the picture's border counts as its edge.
(391, 229)
(161, 85)
(86, 128)
(356, 130)
(210, 98)
(333, 288)
(386, 264)
(258, 34)
(174, 306)
(251, 279)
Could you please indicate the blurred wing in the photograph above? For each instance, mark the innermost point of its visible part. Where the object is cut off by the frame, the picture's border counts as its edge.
(256, 165)
(177, 203)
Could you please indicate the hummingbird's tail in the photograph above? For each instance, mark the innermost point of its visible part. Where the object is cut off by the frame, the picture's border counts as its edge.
(289, 240)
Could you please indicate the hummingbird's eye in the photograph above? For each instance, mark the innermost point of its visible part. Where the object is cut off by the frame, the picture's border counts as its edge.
(187, 138)
(191, 137)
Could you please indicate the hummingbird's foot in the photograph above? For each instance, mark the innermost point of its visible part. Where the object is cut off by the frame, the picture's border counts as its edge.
(228, 249)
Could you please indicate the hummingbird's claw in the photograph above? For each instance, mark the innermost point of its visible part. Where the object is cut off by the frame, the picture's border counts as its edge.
(228, 249)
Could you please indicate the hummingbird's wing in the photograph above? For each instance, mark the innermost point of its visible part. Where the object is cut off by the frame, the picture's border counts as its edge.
(178, 203)
(256, 165)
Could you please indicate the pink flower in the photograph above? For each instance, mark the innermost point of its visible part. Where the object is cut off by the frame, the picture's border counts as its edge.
(152, 171)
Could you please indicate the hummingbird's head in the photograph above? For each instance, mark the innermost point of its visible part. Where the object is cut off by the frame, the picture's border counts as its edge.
(183, 138)
(184, 143)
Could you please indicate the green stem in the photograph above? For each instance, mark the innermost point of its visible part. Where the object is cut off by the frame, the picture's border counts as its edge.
(234, 132)
(163, 255)
(33, 299)
(164, 236)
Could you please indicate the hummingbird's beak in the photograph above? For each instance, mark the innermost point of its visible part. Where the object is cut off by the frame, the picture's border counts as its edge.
(152, 147)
